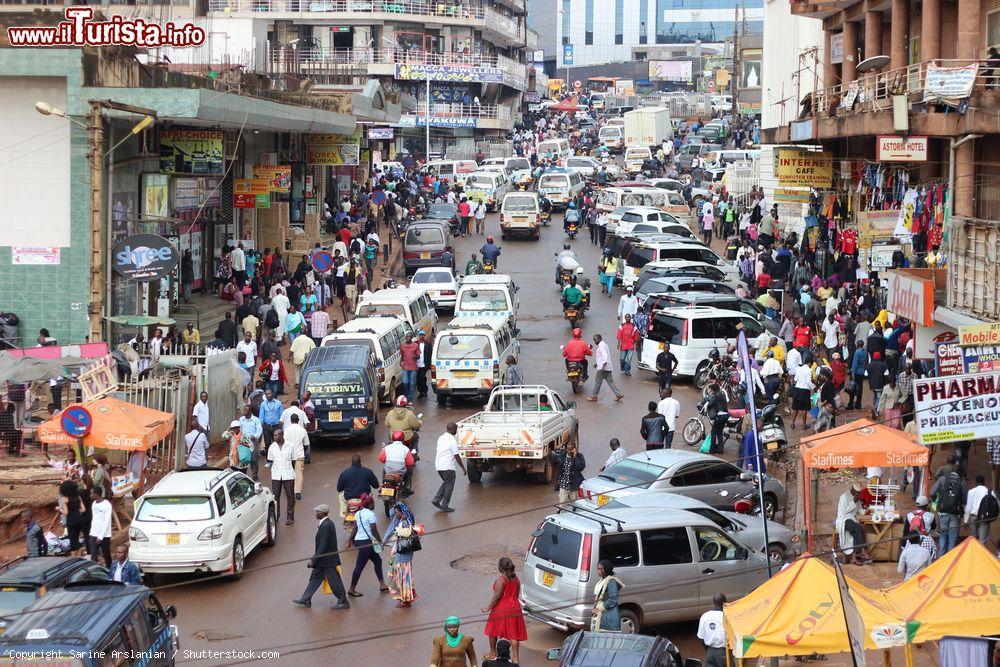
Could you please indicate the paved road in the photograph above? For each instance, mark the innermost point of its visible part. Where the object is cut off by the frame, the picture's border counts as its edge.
(454, 570)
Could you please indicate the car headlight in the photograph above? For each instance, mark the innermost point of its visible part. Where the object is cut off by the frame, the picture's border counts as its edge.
(211, 533)
(137, 535)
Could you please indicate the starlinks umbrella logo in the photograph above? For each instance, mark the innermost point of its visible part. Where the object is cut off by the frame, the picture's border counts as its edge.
(79, 29)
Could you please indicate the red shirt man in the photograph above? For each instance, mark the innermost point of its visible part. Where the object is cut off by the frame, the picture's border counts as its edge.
(627, 334)
(802, 336)
(463, 209)
(345, 236)
(577, 350)
(410, 353)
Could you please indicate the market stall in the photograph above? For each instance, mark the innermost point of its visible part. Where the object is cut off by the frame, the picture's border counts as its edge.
(861, 444)
(799, 612)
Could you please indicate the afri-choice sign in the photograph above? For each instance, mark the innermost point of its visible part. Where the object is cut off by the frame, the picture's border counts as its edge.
(958, 407)
(891, 148)
(144, 257)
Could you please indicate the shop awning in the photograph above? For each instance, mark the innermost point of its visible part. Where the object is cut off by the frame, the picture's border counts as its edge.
(568, 105)
(117, 425)
(859, 444)
(799, 612)
(958, 594)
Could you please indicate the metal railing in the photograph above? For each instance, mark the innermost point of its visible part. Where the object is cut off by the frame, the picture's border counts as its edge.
(498, 111)
(507, 25)
(873, 91)
(449, 9)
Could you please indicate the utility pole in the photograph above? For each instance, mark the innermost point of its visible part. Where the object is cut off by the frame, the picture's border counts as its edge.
(736, 61)
(97, 275)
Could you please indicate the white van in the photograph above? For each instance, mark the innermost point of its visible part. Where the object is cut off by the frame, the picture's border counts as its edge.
(469, 356)
(612, 136)
(520, 213)
(612, 198)
(692, 333)
(454, 171)
(634, 157)
(488, 187)
(383, 334)
(560, 186)
(407, 303)
(487, 295)
(638, 251)
(518, 168)
(556, 149)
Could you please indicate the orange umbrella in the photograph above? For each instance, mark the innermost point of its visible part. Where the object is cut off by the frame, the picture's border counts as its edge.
(862, 443)
(117, 425)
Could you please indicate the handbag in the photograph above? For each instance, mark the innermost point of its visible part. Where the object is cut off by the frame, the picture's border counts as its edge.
(706, 446)
(408, 545)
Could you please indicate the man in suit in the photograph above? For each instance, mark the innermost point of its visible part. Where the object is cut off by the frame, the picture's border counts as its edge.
(325, 562)
(124, 570)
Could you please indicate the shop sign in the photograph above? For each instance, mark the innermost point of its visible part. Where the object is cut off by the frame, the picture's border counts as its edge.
(911, 297)
(251, 186)
(980, 358)
(439, 121)
(144, 257)
(353, 138)
(191, 152)
(926, 339)
(243, 200)
(836, 48)
(979, 334)
(35, 256)
(262, 201)
(901, 149)
(348, 155)
(804, 168)
(155, 200)
(453, 73)
(670, 70)
(791, 196)
(802, 130)
(957, 407)
(279, 177)
(875, 224)
(191, 193)
(533, 97)
(881, 255)
(381, 133)
(949, 83)
(948, 359)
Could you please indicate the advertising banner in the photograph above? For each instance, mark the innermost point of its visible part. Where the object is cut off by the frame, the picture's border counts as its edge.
(948, 357)
(957, 407)
(191, 152)
(123, 215)
(804, 168)
(35, 255)
(670, 70)
(279, 177)
(980, 358)
(454, 73)
(155, 199)
(380, 133)
(979, 334)
(144, 257)
(348, 155)
(949, 83)
(251, 186)
(926, 339)
(911, 297)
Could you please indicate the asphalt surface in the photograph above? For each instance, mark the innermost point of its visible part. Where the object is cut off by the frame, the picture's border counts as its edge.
(454, 571)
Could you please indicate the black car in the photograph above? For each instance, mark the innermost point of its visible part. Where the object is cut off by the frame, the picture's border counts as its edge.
(444, 211)
(24, 580)
(614, 649)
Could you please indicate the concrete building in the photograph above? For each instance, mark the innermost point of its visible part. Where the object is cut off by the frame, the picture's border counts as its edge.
(792, 53)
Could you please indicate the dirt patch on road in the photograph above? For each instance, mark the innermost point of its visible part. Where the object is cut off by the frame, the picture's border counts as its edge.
(484, 561)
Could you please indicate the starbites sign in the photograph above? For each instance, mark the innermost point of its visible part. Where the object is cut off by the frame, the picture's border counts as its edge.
(957, 407)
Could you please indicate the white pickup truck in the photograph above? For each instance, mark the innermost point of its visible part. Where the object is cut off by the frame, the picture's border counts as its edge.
(519, 429)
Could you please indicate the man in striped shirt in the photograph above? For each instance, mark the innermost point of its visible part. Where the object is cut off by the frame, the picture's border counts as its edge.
(281, 461)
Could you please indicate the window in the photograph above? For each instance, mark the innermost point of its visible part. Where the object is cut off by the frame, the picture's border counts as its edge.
(240, 490)
(636, 473)
(157, 617)
(753, 328)
(622, 549)
(385, 342)
(702, 328)
(993, 30)
(588, 36)
(666, 546)
(91, 572)
(220, 501)
(643, 14)
(631, 217)
(565, 21)
(560, 405)
(725, 327)
(558, 545)
(114, 651)
(665, 330)
(463, 346)
(690, 475)
(715, 546)
(721, 473)
(175, 508)
(137, 632)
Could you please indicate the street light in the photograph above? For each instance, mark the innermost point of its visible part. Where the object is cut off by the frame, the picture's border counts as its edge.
(47, 109)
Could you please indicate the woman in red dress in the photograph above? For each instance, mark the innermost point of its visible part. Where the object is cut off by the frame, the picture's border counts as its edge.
(506, 618)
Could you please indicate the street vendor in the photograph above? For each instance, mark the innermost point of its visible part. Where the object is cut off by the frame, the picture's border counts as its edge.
(850, 532)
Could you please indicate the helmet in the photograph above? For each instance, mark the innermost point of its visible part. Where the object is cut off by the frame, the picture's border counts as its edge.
(566, 246)
(579, 271)
(402, 402)
(398, 435)
(713, 354)
(489, 239)
(577, 332)
(572, 204)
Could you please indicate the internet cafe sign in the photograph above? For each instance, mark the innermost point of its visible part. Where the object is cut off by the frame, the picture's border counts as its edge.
(911, 297)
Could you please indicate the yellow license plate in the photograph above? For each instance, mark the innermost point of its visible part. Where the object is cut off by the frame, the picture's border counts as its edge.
(660, 345)
(388, 492)
(771, 446)
(173, 538)
(464, 374)
(336, 416)
(548, 579)
(425, 255)
(520, 220)
(505, 451)
(570, 313)
(603, 500)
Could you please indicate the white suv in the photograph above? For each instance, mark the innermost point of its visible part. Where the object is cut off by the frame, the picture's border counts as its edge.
(201, 521)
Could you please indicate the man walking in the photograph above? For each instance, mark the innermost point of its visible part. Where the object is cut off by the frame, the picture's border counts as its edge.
(617, 454)
(201, 412)
(100, 526)
(628, 304)
(627, 337)
(281, 457)
(324, 562)
(422, 359)
(981, 510)
(196, 442)
(951, 497)
(513, 376)
(269, 415)
(670, 408)
(653, 428)
(666, 362)
(252, 430)
(569, 464)
(297, 436)
(602, 362)
(712, 634)
(446, 462)
(409, 354)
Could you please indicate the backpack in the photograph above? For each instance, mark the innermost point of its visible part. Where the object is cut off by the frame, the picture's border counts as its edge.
(989, 508)
(950, 495)
(271, 320)
(917, 522)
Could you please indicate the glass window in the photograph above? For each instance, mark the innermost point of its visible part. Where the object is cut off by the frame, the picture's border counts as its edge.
(634, 473)
(565, 22)
(137, 630)
(114, 651)
(715, 546)
(622, 549)
(752, 327)
(220, 501)
(93, 572)
(240, 490)
(725, 327)
(386, 343)
(665, 329)
(619, 21)
(702, 328)
(520, 204)
(558, 545)
(721, 473)
(431, 277)
(483, 299)
(640, 257)
(690, 475)
(424, 236)
(463, 346)
(175, 508)
(643, 14)
(666, 546)
(588, 37)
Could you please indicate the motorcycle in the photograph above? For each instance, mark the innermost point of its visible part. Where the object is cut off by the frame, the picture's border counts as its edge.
(564, 277)
(574, 314)
(353, 507)
(546, 216)
(571, 230)
(700, 425)
(393, 489)
(772, 436)
(574, 375)
(489, 266)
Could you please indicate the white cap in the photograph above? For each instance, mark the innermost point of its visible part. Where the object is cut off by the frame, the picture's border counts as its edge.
(234, 424)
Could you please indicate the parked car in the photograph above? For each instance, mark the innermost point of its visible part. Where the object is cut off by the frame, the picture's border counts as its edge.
(602, 649)
(440, 283)
(700, 476)
(24, 580)
(681, 281)
(722, 301)
(445, 212)
(425, 243)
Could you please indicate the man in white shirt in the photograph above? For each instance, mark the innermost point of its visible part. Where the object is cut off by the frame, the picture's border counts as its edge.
(297, 436)
(281, 457)
(793, 359)
(978, 527)
(446, 462)
(201, 412)
(771, 372)
(831, 334)
(602, 361)
(712, 634)
(802, 386)
(100, 526)
(280, 304)
(913, 557)
(238, 263)
(628, 304)
(670, 408)
(248, 347)
(617, 454)
(286, 415)
(196, 442)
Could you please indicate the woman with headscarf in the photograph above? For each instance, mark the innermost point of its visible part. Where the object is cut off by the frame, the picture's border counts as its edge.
(402, 531)
(506, 617)
(606, 615)
(453, 649)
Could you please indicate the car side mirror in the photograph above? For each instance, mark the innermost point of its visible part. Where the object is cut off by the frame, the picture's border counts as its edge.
(171, 611)
(571, 405)
(745, 477)
(258, 488)
(554, 653)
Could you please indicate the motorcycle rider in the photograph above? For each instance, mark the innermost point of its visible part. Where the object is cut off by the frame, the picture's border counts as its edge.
(582, 281)
(473, 266)
(397, 458)
(572, 216)
(577, 350)
(572, 295)
(545, 206)
(491, 252)
(402, 418)
(566, 261)
(718, 412)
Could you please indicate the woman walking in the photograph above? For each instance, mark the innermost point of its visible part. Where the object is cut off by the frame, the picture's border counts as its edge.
(890, 404)
(453, 649)
(71, 512)
(364, 537)
(506, 618)
(401, 528)
(606, 615)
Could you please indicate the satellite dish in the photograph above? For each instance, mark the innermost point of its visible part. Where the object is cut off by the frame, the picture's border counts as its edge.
(873, 63)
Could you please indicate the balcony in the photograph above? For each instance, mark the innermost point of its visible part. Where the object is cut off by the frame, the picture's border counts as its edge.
(973, 267)
(469, 116)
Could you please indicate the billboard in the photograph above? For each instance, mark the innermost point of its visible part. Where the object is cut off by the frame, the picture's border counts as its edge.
(334, 154)
(455, 74)
(812, 169)
(670, 70)
(191, 152)
(957, 407)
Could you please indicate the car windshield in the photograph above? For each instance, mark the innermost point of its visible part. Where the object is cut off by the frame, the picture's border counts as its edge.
(519, 163)
(424, 236)
(557, 545)
(441, 211)
(483, 299)
(525, 204)
(554, 181)
(338, 381)
(13, 599)
(578, 162)
(633, 473)
(376, 309)
(610, 132)
(432, 277)
(481, 182)
(175, 508)
(464, 346)
(637, 153)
